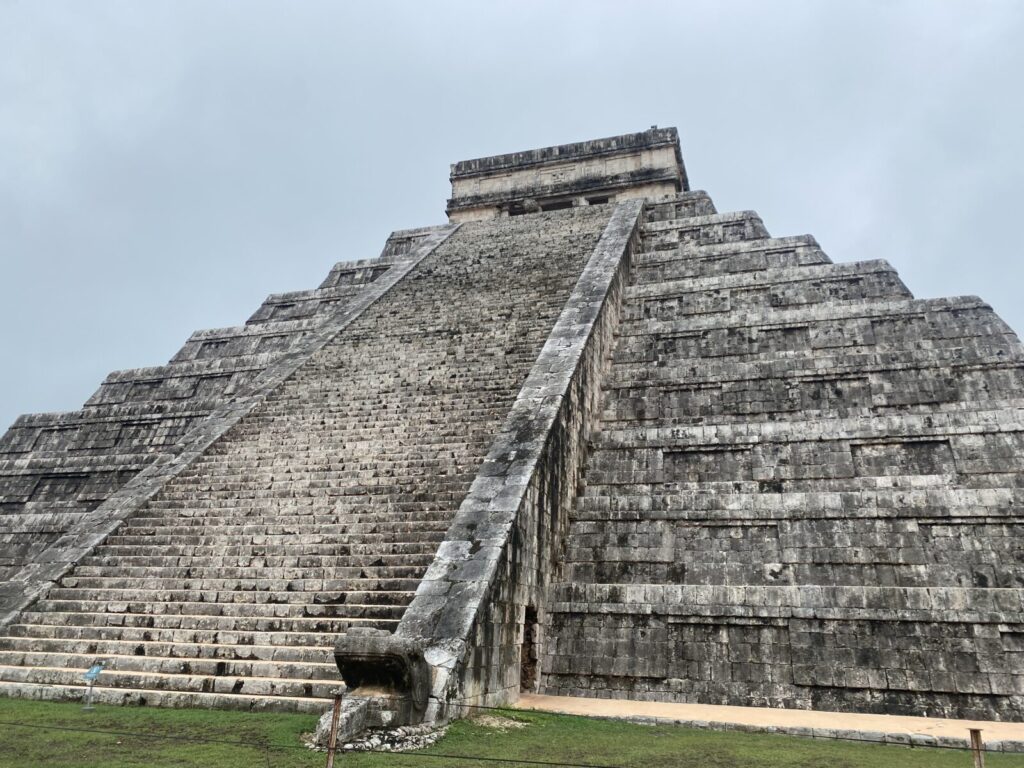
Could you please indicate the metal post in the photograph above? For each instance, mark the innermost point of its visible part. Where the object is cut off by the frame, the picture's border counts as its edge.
(90, 677)
(977, 748)
(332, 744)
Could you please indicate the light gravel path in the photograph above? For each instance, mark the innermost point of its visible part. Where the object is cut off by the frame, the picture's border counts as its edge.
(895, 728)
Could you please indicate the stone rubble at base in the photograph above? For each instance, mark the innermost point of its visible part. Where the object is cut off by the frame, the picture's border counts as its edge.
(405, 738)
(680, 458)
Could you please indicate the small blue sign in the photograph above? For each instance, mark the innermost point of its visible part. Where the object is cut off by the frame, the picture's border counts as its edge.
(94, 672)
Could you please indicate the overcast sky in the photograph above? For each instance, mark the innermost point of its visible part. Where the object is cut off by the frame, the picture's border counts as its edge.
(164, 166)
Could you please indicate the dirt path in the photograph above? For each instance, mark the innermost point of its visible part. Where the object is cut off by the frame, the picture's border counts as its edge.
(874, 727)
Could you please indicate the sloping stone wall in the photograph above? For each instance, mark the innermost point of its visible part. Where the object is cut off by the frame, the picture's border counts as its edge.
(805, 490)
(496, 560)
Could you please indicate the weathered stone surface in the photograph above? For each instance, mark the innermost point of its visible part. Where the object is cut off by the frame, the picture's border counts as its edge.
(496, 561)
(633, 450)
(57, 468)
(319, 507)
(596, 172)
(805, 490)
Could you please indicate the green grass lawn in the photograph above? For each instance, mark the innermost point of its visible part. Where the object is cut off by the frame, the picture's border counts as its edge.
(547, 737)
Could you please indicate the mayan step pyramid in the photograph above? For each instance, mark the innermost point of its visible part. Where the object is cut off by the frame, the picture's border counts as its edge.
(591, 437)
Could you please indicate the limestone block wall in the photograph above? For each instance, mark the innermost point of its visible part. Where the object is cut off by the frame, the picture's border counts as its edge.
(804, 491)
(632, 166)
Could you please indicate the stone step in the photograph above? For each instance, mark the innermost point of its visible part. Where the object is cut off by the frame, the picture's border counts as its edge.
(206, 640)
(363, 271)
(960, 355)
(201, 393)
(338, 533)
(262, 583)
(994, 481)
(798, 465)
(187, 596)
(273, 545)
(165, 665)
(666, 301)
(235, 573)
(341, 485)
(244, 339)
(349, 542)
(743, 571)
(82, 433)
(26, 519)
(396, 513)
(45, 614)
(740, 258)
(775, 400)
(298, 305)
(154, 681)
(272, 559)
(776, 355)
(904, 496)
(207, 652)
(681, 206)
(291, 611)
(689, 221)
(790, 280)
(886, 319)
(175, 699)
(331, 531)
(704, 230)
(752, 546)
(200, 366)
(83, 468)
(184, 524)
(959, 423)
(885, 603)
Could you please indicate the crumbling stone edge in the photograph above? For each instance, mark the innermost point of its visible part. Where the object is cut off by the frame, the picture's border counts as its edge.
(499, 554)
(34, 580)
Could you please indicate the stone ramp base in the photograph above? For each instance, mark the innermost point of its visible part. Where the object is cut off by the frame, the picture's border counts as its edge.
(891, 729)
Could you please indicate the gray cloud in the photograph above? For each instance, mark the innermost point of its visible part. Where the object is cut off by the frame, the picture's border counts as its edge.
(163, 166)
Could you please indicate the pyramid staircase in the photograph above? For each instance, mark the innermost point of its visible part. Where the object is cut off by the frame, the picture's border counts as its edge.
(321, 509)
(56, 468)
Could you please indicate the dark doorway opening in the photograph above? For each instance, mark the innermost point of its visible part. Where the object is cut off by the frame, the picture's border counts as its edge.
(528, 663)
(556, 205)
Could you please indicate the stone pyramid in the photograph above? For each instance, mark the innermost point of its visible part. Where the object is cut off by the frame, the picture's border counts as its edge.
(590, 437)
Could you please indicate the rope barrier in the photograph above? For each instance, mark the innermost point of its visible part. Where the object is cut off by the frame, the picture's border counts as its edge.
(270, 745)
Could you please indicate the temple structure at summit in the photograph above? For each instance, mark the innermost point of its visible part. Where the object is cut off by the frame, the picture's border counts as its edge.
(590, 437)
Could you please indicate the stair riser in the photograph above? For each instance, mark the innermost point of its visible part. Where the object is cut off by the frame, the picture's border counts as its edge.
(124, 665)
(95, 648)
(174, 700)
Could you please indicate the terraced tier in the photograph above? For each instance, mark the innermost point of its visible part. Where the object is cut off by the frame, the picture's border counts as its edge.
(55, 468)
(322, 508)
(805, 490)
